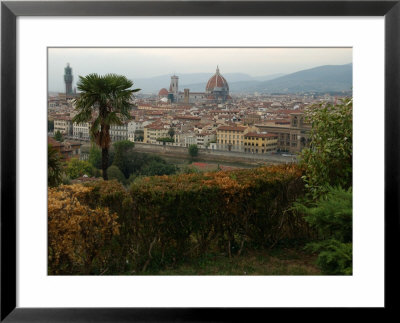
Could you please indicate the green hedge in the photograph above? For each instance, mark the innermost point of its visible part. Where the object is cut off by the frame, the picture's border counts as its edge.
(168, 219)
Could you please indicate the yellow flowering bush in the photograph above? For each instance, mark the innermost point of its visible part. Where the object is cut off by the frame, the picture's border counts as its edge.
(77, 233)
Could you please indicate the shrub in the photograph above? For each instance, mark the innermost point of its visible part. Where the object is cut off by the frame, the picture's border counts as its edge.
(193, 150)
(184, 215)
(331, 217)
(54, 167)
(115, 173)
(76, 168)
(328, 160)
(78, 234)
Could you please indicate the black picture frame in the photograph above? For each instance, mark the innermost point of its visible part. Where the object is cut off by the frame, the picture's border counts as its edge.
(10, 10)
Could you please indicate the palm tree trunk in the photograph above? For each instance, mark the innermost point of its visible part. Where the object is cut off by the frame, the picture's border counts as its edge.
(104, 162)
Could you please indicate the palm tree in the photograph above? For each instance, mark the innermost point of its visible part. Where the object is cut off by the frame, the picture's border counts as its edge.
(103, 101)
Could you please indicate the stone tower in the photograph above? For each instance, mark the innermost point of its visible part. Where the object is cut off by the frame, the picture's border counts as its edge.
(68, 80)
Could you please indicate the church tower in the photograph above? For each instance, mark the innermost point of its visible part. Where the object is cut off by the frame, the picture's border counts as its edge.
(68, 80)
(173, 88)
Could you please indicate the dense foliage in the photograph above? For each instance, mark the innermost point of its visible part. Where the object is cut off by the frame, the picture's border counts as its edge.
(167, 219)
(78, 235)
(193, 150)
(54, 167)
(77, 168)
(50, 125)
(331, 216)
(58, 136)
(328, 177)
(123, 156)
(328, 160)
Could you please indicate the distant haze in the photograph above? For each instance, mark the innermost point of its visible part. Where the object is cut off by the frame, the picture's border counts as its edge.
(142, 63)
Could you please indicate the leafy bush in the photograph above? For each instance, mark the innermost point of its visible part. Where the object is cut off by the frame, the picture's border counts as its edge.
(158, 168)
(167, 219)
(188, 214)
(328, 160)
(331, 216)
(54, 167)
(76, 168)
(115, 173)
(335, 257)
(193, 150)
(78, 235)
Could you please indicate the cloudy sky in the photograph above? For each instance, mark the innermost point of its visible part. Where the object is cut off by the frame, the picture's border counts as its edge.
(150, 62)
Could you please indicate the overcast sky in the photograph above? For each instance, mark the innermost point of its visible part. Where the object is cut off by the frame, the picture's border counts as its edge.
(150, 62)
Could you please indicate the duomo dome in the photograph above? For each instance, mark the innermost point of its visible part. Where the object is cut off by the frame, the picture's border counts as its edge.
(217, 83)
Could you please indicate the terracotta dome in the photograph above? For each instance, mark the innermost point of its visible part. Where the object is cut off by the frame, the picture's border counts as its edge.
(163, 92)
(217, 83)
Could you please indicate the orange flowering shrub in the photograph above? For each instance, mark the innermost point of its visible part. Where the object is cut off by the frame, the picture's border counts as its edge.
(78, 235)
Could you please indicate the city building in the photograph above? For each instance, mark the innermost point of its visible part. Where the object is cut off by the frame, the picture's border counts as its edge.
(231, 137)
(63, 124)
(154, 131)
(260, 143)
(67, 149)
(292, 134)
(81, 130)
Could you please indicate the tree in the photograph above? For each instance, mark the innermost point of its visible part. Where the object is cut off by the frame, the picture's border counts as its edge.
(115, 173)
(95, 156)
(104, 101)
(328, 160)
(331, 217)
(193, 150)
(54, 167)
(76, 168)
(50, 125)
(158, 168)
(122, 157)
(139, 135)
(171, 132)
(58, 136)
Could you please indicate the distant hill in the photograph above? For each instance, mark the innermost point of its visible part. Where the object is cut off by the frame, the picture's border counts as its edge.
(327, 78)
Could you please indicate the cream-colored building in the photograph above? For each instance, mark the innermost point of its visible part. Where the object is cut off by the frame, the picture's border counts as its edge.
(231, 137)
(63, 125)
(81, 130)
(292, 134)
(154, 131)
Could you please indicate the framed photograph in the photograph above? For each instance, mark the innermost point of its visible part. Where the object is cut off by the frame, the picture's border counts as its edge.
(211, 89)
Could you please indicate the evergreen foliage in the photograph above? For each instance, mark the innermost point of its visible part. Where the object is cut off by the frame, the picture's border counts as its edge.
(58, 136)
(193, 150)
(95, 156)
(54, 167)
(331, 217)
(115, 173)
(76, 168)
(123, 156)
(50, 125)
(328, 160)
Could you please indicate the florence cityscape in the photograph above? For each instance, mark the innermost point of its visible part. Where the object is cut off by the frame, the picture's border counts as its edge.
(210, 161)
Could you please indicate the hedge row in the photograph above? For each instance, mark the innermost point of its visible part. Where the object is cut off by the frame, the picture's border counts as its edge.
(164, 219)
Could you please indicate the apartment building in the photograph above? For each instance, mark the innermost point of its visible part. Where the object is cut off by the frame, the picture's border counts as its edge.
(292, 134)
(260, 143)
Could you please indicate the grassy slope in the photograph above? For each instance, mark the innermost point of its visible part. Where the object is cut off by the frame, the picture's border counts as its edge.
(278, 261)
